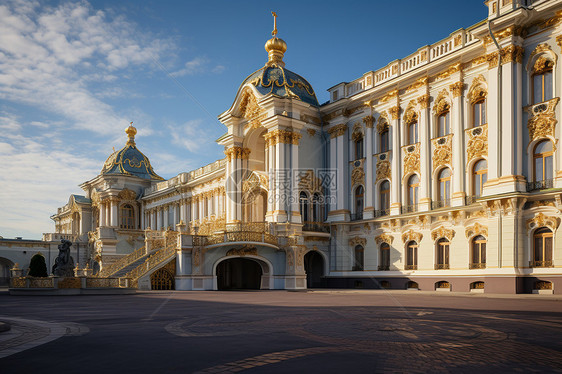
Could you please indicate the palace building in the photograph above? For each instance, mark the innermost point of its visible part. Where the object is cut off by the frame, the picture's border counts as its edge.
(439, 171)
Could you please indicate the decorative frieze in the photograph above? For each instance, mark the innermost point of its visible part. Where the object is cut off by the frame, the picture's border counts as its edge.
(542, 220)
(357, 241)
(412, 235)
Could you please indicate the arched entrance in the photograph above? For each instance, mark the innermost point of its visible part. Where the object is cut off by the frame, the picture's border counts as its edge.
(314, 268)
(239, 273)
(162, 279)
(5, 266)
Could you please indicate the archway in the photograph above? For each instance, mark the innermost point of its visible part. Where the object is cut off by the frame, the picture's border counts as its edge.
(314, 268)
(239, 273)
(5, 266)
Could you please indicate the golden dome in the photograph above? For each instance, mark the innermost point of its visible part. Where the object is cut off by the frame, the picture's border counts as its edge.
(131, 131)
(275, 47)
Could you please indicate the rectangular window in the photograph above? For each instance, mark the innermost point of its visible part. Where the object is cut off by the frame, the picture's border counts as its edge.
(384, 141)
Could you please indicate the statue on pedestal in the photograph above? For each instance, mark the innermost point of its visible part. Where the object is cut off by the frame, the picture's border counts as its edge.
(64, 263)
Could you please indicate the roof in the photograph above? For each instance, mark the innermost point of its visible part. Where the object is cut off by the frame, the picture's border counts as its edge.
(129, 161)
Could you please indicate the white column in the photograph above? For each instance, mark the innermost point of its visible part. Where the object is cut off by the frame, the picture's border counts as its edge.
(114, 213)
(369, 182)
(341, 164)
(271, 174)
(102, 208)
(396, 161)
(333, 165)
(457, 145)
(425, 156)
(295, 213)
(281, 200)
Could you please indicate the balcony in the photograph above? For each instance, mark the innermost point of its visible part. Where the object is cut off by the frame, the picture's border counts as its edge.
(469, 200)
(540, 185)
(384, 267)
(410, 267)
(541, 264)
(409, 208)
(357, 268)
(440, 204)
(382, 212)
(356, 216)
(477, 265)
(441, 266)
(316, 227)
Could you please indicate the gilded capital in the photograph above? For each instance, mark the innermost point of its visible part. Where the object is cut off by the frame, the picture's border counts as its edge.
(368, 121)
(237, 152)
(512, 53)
(395, 112)
(337, 130)
(456, 89)
(423, 100)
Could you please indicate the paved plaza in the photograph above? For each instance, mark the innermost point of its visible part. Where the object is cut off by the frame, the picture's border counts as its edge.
(281, 332)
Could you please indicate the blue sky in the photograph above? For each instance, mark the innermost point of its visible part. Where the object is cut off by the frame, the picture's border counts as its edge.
(73, 74)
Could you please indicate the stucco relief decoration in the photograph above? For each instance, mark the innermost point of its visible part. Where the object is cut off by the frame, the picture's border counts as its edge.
(311, 132)
(417, 84)
(412, 235)
(337, 130)
(368, 121)
(540, 56)
(542, 220)
(512, 53)
(423, 101)
(478, 89)
(450, 71)
(357, 132)
(411, 115)
(456, 89)
(309, 182)
(441, 103)
(542, 121)
(95, 199)
(394, 112)
(281, 136)
(357, 241)
(237, 153)
(411, 159)
(250, 110)
(127, 194)
(442, 152)
(477, 145)
(384, 238)
(383, 167)
(388, 96)
(357, 175)
(242, 252)
(382, 123)
(476, 229)
(442, 232)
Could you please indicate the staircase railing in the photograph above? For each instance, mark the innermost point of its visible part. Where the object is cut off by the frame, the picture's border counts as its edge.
(155, 259)
(122, 262)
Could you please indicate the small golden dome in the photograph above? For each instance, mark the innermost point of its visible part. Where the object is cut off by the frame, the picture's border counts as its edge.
(131, 131)
(275, 48)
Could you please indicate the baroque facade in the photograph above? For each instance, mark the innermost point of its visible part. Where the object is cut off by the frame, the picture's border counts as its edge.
(439, 171)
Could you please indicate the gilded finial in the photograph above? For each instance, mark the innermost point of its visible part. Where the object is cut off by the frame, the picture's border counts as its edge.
(131, 132)
(274, 32)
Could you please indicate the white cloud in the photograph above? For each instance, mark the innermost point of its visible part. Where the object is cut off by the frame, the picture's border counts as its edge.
(199, 65)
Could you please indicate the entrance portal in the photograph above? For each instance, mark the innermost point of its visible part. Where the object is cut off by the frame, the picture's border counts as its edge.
(239, 273)
(314, 268)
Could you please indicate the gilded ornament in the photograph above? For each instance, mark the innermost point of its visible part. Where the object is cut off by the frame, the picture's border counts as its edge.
(382, 123)
(542, 122)
(543, 48)
(475, 230)
(410, 115)
(456, 89)
(479, 60)
(357, 134)
(337, 130)
(394, 112)
(357, 176)
(442, 153)
(127, 194)
(450, 70)
(281, 136)
(412, 235)
(311, 132)
(541, 220)
(242, 252)
(442, 104)
(442, 232)
(477, 145)
(368, 121)
(383, 168)
(512, 53)
(457, 40)
(389, 96)
(384, 238)
(421, 82)
(237, 153)
(423, 101)
(492, 59)
(478, 89)
(357, 241)
(309, 182)
(411, 159)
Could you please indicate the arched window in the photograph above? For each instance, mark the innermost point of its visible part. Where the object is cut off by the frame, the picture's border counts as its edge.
(442, 255)
(542, 80)
(358, 258)
(478, 258)
(384, 140)
(444, 122)
(304, 206)
(479, 113)
(413, 132)
(384, 257)
(542, 157)
(385, 197)
(359, 194)
(411, 256)
(358, 148)
(316, 208)
(479, 177)
(542, 248)
(127, 217)
(413, 188)
(444, 186)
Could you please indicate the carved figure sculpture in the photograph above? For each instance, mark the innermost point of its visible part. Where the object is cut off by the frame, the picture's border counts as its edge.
(64, 263)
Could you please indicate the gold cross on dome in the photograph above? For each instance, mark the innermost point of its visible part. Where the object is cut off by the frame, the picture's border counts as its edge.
(274, 32)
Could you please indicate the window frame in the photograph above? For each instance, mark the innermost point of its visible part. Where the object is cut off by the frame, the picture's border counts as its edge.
(543, 156)
(127, 222)
(442, 251)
